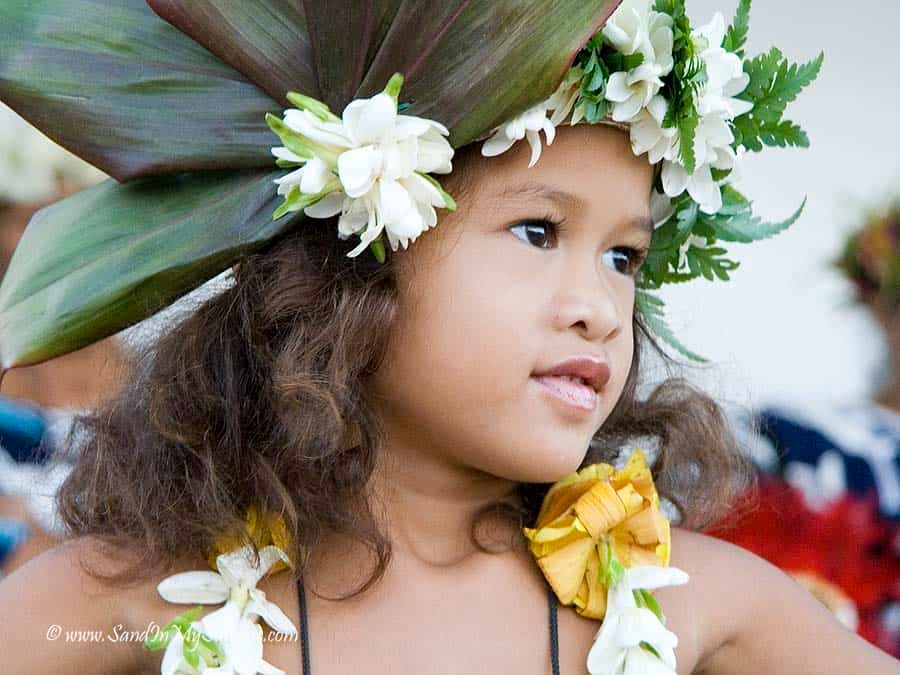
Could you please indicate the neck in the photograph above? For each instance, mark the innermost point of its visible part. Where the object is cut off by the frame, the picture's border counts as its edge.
(425, 504)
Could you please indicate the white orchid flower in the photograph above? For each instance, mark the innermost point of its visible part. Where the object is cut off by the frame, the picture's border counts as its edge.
(370, 166)
(648, 134)
(712, 150)
(617, 647)
(634, 28)
(528, 125)
(724, 71)
(234, 626)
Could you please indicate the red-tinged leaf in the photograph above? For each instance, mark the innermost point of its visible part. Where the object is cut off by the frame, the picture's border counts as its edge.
(345, 36)
(127, 92)
(108, 257)
(473, 64)
(266, 40)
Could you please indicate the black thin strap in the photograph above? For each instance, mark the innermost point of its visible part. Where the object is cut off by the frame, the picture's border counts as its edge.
(554, 636)
(304, 630)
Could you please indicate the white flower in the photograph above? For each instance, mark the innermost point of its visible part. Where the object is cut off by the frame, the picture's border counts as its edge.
(635, 28)
(234, 625)
(369, 166)
(724, 70)
(617, 647)
(565, 99)
(528, 125)
(648, 134)
(712, 150)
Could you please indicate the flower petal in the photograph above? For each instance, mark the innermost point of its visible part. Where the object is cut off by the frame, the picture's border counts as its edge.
(497, 144)
(357, 169)
(246, 647)
(370, 120)
(330, 205)
(269, 612)
(315, 175)
(203, 587)
(641, 662)
(650, 577)
(616, 88)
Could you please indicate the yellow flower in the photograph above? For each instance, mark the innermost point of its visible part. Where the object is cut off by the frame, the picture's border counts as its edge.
(591, 518)
(268, 531)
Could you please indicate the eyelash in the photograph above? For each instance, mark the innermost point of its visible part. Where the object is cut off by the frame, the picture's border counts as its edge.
(636, 256)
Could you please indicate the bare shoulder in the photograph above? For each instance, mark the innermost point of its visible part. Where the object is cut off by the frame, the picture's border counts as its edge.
(62, 619)
(752, 617)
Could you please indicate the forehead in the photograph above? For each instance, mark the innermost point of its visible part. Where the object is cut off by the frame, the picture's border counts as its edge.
(586, 168)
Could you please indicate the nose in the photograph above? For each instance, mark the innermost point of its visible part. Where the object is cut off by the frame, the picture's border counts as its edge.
(587, 301)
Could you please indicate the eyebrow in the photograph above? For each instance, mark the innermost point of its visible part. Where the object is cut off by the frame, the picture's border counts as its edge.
(567, 199)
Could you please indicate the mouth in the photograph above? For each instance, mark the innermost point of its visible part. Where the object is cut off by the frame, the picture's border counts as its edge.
(574, 391)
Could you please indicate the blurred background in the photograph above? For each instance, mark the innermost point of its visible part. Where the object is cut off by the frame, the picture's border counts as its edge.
(803, 343)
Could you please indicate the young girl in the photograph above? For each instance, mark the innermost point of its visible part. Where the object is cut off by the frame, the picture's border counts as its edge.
(381, 426)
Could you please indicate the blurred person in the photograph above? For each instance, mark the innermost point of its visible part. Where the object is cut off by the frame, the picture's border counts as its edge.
(37, 403)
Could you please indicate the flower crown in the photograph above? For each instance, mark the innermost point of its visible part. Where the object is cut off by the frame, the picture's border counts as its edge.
(689, 99)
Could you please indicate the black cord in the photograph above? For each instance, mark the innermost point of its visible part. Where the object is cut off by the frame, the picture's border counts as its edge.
(554, 637)
(304, 631)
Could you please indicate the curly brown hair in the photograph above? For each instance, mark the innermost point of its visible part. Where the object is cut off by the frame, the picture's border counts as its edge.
(259, 398)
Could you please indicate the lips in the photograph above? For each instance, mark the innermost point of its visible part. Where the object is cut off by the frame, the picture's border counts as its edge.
(570, 389)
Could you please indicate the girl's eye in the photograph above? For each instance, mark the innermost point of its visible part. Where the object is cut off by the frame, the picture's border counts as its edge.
(535, 231)
(623, 259)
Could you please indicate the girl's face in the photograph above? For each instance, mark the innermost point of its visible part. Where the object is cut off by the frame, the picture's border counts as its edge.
(536, 266)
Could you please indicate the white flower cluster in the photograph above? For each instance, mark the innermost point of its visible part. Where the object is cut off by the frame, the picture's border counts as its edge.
(369, 166)
(235, 626)
(617, 646)
(635, 100)
(32, 166)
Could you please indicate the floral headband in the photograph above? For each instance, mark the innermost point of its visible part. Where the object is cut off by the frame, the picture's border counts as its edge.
(690, 101)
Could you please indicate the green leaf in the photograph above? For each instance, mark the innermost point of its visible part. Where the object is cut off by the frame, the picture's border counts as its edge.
(710, 263)
(110, 256)
(649, 601)
(127, 92)
(266, 40)
(736, 35)
(160, 639)
(737, 223)
(774, 82)
(473, 64)
(651, 309)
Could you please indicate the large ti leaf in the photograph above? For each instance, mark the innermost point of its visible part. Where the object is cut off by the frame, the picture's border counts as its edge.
(121, 88)
(266, 40)
(472, 64)
(112, 255)
(345, 37)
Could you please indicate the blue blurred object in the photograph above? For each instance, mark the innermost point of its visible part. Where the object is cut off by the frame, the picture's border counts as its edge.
(12, 534)
(864, 437)
(21, 430)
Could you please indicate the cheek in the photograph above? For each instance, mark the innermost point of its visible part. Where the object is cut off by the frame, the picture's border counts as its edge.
(459, 345)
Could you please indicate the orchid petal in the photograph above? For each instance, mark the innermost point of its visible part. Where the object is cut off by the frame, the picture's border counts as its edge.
(317, 173)
(203, 587)
(370, 120)
(357, 169)
(330, 205)
(269, 612)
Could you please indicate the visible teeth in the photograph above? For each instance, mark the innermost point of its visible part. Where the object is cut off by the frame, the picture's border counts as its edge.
(572, 378)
